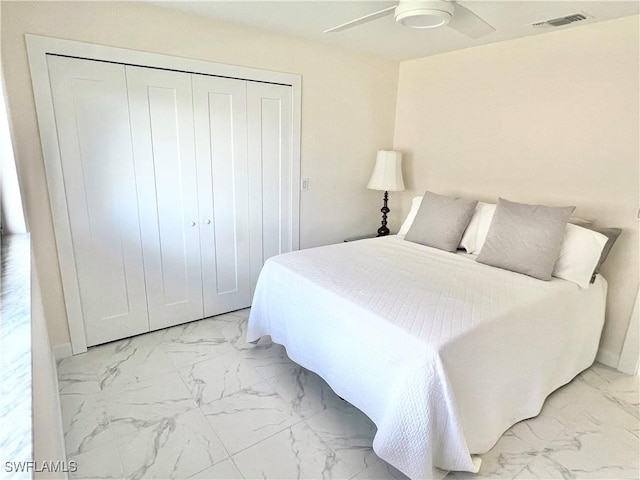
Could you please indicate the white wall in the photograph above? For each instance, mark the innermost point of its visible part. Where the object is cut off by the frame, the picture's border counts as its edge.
(11, 212)
(48, 432)
(630, 356)
(551, 118)
(348, 105)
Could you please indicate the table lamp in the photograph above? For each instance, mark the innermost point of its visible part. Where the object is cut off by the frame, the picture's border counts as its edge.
(387, 177)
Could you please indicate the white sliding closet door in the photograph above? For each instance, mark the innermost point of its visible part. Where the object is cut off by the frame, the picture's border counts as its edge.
(271, 182)
(92, 116)
(161, 111)
(220, 120)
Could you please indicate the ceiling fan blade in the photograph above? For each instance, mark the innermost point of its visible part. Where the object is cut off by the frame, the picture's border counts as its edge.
(361, 20)
(468, 23)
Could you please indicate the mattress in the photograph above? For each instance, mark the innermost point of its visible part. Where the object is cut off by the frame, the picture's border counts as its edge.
(442, 353)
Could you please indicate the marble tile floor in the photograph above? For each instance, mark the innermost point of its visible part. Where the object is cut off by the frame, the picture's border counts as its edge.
(196, 401)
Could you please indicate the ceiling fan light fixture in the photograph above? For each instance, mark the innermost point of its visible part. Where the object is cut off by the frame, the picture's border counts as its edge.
(424, 14)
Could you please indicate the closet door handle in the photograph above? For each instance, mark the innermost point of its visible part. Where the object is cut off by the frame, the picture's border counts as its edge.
(193, 224)
(207, 221)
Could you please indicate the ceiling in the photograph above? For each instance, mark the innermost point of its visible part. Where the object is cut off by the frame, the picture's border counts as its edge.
(383, 37)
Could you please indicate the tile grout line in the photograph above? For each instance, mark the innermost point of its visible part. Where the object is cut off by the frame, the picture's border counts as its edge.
(199, 407)
(237, 468)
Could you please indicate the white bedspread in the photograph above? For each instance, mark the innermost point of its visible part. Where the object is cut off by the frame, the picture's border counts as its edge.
(442, 353)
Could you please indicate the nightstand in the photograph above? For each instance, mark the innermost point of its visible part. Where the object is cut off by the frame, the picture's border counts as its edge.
(362, 237)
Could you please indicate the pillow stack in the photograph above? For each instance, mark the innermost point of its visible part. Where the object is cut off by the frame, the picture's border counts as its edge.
(525, 238)
(440, 221)
(534, 240)
(583, 251)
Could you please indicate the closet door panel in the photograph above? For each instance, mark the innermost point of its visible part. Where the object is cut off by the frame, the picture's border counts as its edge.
(92, 118)
(162, 129)
(221, 151)
(270, 132)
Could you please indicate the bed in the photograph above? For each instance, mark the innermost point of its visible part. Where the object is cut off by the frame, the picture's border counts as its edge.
(442, 353)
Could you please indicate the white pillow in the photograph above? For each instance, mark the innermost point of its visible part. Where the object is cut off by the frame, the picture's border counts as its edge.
(468, 241)
(415, 206)
(579, 254)
(484, 222)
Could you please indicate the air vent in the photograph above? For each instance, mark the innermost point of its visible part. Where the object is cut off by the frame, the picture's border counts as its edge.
(561, 21)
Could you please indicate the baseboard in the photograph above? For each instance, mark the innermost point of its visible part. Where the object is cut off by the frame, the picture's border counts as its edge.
(607, 357)
(62, 351)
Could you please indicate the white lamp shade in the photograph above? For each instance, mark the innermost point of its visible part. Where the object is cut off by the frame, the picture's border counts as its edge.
(387, 174)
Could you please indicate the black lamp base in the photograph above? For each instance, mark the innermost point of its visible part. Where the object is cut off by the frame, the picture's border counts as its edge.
(383, 230)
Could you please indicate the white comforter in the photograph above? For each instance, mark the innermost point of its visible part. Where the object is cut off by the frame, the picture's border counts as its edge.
(442, 353)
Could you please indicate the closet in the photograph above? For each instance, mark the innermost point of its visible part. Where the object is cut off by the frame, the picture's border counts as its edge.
(178, 187)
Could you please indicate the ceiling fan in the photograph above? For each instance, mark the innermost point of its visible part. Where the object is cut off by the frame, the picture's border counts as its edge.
(427, 14)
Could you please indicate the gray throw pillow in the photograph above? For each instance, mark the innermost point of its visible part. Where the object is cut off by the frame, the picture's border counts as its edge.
(441, 221)
(525, 238)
